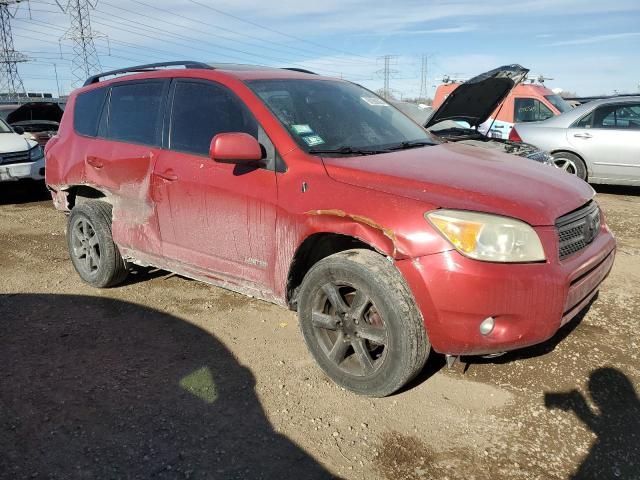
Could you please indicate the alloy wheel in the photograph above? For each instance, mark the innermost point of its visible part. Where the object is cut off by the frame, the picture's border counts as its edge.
(349, 329)
(85, 246)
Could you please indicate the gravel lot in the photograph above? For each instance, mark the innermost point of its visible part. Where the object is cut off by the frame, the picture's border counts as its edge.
(169, 378)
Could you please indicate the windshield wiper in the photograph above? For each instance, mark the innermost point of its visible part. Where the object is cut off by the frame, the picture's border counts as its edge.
(347, 150)
(407, 145)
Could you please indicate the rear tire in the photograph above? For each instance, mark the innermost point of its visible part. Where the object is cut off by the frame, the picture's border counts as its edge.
(360, 323)
(570, 163)
(94, 255)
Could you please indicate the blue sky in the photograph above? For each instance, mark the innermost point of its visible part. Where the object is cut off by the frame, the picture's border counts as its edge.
(589, 47)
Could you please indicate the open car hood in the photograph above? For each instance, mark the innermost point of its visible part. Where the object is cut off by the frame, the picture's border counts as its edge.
(49, 111)
(475, 100)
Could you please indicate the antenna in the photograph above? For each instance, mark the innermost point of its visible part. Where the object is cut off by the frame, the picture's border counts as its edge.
(85, 62)
(11, 86)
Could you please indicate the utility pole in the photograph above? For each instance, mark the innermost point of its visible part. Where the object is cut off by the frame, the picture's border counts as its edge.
(387, 72)
(423, 78)
(10, 82)
(85, 60)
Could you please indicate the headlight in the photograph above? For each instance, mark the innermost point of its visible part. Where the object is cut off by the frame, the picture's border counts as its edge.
(36, 153)
(490, 238)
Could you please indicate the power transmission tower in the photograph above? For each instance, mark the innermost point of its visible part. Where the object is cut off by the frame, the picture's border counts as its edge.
(387, 72)
(423, 78)
(85, 60)
(10, 82)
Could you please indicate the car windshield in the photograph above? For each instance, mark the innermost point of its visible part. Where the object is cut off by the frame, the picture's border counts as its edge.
(4, 128)
(558, 102)
(336, 117)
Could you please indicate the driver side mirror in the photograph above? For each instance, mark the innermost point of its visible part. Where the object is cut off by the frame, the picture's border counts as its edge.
(235, 147)
(18, 130)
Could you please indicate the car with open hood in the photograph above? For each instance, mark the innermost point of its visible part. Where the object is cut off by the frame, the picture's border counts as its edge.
(37, 121)
(316, 194)
(466, 108)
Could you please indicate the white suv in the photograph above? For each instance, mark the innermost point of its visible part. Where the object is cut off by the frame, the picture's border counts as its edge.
(20, 158)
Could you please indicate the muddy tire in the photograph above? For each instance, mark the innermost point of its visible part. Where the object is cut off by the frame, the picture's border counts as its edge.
(360, 323)
(94, 255)
(570, 163)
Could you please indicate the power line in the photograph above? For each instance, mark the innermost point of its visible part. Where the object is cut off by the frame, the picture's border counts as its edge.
(10, 81)
(269, 29)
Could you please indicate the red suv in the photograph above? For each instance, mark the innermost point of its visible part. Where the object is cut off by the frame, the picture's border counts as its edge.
(316, 194)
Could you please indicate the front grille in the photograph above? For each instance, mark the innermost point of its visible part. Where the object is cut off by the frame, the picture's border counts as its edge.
(14, 157)
(577, 229)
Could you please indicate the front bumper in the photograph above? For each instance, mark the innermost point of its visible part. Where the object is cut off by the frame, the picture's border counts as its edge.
(22, 171)
(529, 302)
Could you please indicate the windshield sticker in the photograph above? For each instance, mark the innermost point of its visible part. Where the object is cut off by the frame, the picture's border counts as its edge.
(301, 129)
(313, 140)
(375, 101)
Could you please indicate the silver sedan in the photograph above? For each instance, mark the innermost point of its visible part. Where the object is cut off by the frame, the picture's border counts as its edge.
(598, 141)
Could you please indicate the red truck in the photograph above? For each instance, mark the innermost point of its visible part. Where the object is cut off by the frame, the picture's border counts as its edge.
(316, 194)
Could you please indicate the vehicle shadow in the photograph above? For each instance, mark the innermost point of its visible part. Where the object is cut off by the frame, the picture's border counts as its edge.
(617, 189)
(23, 192)
(100, 388)
(615, 421)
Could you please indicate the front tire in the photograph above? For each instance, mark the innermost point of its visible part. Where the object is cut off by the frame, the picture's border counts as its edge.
(570, 163)
(93, 253)
(360, 323)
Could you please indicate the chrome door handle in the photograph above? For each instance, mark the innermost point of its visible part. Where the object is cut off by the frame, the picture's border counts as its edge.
(583, 135)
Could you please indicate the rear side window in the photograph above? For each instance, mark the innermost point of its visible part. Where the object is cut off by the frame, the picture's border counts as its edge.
(135, 113)
(619, 117)
(86, 114)
(201, 111)
(531, 110)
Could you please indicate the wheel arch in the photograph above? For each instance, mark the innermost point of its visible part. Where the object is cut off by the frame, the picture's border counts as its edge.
(572, 152)
(314, 248)
(78, 194)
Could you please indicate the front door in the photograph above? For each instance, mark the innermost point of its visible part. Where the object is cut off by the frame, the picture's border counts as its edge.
(214, 217)
(609, 141)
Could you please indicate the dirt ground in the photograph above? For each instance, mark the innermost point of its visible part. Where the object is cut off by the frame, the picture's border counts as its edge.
(169, 378)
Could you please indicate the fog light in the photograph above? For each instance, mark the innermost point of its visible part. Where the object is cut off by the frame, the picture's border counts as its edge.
(486, 327)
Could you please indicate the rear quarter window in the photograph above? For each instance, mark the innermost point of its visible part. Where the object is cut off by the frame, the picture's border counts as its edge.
(87, 111)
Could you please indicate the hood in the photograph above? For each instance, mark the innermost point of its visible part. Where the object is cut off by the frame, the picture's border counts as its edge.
(12, 142)
(453, 175)
(50, 111)
(475, 100)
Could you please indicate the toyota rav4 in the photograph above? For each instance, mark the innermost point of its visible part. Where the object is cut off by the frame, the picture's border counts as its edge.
(316, 194)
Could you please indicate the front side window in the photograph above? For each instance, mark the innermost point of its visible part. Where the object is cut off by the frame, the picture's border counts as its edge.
(530, 110)
(332, 115)
(135, 113)
(88, 108)
(620, 117)
(202, 110)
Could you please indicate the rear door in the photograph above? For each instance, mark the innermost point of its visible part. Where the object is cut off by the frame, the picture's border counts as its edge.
(132, 128)
(608, 138)
(215, 217)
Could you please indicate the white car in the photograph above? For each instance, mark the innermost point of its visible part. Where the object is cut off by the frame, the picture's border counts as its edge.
(20, 158)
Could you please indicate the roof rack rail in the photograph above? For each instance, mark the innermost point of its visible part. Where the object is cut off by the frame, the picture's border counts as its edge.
(301, 70)
(147, 68)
